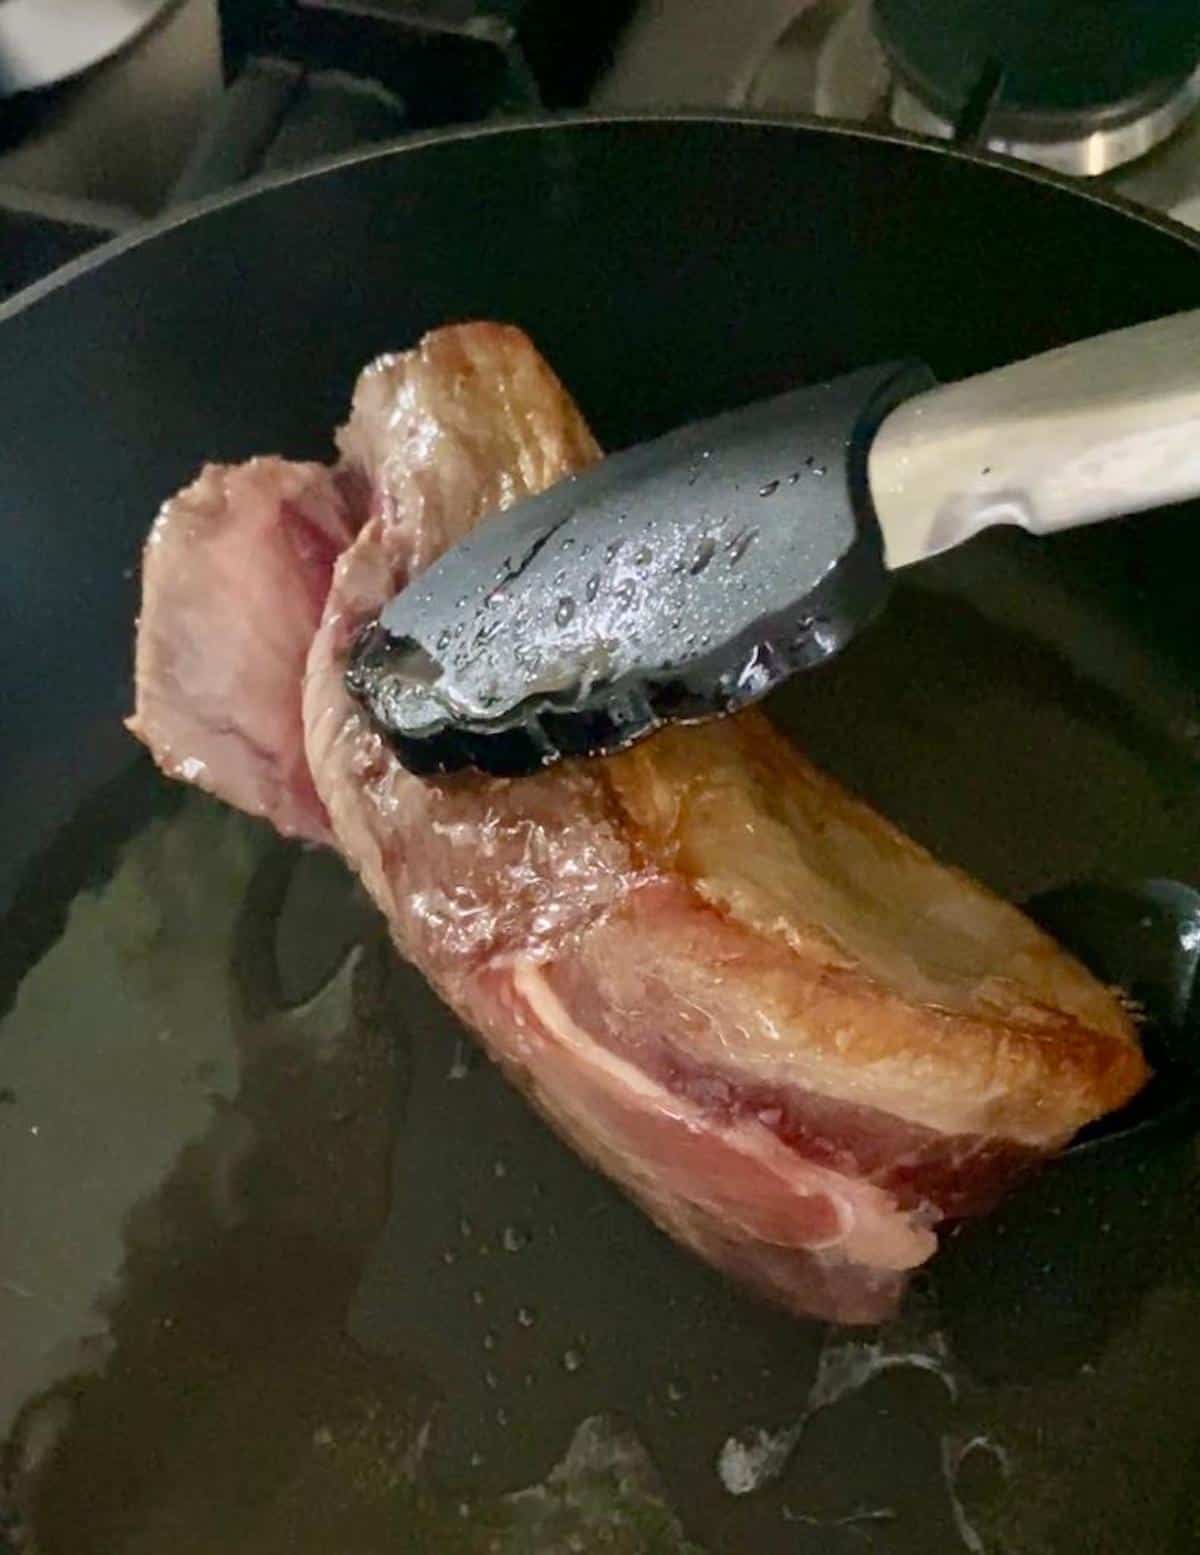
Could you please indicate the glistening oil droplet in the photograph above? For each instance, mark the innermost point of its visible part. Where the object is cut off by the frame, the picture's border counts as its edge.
(705, 552)
(740, 544)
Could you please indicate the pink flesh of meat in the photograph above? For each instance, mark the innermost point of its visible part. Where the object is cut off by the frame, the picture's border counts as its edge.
(619, 986)
(235, 576)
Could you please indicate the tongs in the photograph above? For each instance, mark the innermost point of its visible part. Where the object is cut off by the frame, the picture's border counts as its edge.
(686, 577)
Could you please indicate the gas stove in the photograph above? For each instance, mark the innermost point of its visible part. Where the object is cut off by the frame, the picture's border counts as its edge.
(113, 110)
(1104, 90)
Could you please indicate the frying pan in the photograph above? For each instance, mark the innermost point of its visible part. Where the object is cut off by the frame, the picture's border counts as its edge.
(283, 1266)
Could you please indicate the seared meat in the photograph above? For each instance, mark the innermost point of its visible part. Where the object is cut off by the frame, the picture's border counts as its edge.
(794, 1037)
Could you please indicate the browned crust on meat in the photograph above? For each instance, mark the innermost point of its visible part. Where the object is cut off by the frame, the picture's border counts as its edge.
(1033, 1048)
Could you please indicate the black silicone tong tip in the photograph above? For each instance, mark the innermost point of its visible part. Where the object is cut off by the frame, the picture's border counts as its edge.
(674, 582)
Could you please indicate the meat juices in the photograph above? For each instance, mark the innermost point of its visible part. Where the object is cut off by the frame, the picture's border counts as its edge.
(798, 1041)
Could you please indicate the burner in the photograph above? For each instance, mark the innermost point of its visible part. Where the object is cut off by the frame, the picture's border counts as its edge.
(1106, 89)
(1081, 86)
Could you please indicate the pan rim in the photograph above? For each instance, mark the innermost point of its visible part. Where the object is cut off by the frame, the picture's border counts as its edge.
(580, 120)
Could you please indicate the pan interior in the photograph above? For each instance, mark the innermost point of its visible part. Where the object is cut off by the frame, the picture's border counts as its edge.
(283, 1264)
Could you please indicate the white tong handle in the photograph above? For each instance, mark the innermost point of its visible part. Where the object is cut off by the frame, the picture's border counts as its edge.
(1091, 431)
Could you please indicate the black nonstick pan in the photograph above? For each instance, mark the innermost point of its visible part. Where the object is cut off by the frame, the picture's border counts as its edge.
(283, 1265)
